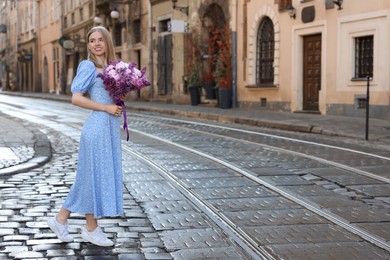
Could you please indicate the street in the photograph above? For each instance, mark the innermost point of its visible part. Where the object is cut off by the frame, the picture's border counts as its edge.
(196, 189)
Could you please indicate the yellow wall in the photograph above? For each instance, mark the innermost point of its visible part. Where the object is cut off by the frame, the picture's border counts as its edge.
(338, 29)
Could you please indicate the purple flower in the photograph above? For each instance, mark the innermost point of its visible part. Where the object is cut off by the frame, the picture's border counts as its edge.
(119, 78)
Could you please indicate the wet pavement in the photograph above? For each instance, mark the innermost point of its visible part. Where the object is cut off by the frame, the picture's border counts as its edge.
(25, 149)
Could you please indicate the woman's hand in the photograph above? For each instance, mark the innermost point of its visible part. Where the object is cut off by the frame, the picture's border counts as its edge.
(114, 110)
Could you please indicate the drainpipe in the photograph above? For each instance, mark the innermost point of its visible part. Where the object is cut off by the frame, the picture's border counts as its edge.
(7, 47)
(16, 65)
(234, 52)
(63, 54)
(37, 84)
(151, 65)
(2, 44)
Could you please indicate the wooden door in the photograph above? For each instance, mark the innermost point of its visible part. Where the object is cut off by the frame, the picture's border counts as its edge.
(164, 65)
(311, 72)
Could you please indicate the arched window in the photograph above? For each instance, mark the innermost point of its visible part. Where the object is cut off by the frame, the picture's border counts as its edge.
(265, 53)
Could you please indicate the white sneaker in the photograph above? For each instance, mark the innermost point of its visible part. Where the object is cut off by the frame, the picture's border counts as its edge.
(96, 237)
(61, 230)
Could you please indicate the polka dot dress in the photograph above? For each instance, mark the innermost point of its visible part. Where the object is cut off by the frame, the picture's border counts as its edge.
(97, 189)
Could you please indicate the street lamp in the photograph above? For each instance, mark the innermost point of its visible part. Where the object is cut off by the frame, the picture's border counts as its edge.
(98, 20)
(291, 11)
(114, 14)
(339, 3)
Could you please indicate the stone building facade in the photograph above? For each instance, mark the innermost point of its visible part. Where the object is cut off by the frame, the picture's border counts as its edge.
(309, 56)
(314, 56)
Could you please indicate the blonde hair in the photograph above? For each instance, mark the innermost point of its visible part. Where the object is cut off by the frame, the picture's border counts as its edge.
(109, 54)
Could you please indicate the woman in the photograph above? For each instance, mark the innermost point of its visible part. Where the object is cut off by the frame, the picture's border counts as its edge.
(97, 190)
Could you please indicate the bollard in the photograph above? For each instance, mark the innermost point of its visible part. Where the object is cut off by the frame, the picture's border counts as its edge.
(367, 105)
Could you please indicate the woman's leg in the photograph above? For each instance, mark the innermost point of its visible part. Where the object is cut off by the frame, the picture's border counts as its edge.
(93, 233)
(62, 216)
(91, 222)
(59, 225)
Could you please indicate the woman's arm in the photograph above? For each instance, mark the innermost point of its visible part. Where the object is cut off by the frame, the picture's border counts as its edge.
(79, 100)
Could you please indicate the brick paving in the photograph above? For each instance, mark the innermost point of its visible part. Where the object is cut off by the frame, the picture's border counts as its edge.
(30, 198)
(33, 191)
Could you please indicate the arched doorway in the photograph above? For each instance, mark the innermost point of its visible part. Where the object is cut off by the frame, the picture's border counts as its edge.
(213, 21)
(216, 37)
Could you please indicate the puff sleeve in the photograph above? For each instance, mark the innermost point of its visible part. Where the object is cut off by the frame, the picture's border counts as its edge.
(85, 77)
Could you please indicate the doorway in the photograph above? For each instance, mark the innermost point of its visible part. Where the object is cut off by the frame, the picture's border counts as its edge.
(164, 65)
(311, 72)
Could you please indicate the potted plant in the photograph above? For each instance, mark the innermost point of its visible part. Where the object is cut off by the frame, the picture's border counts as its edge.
(223, 71)
(195, 85)
(209, 85)
(193, 67)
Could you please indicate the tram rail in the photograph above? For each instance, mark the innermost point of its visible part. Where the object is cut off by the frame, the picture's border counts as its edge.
(181, 135)
(228, 225)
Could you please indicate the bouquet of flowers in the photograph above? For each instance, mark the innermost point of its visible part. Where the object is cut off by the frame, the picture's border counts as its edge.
(119, 78)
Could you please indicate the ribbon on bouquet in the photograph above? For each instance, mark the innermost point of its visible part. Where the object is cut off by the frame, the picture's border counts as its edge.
(122, 104)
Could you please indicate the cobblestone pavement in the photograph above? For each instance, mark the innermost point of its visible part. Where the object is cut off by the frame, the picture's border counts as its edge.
(21, 144)
(30, 198)
(32, 191)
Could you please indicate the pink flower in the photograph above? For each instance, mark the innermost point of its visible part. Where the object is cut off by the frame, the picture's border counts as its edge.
(121, 66)
(120, 78)
(113, 74)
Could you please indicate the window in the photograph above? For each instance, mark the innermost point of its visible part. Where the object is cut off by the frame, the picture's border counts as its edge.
(137, 31)
(265, 53)
(118, 34)
(284, 4)
(43, 15)
(362, 103)
(364, 56)
(81, 14)
(164, 25)
(90, 8)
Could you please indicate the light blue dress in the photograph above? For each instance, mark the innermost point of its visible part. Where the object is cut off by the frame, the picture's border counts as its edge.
(98, 186)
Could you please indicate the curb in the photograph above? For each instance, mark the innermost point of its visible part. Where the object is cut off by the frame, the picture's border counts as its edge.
(42, 154)
(303, 128)
(223, 118)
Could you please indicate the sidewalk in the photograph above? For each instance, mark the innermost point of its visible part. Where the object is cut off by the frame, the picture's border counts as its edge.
(17, 140)
(22, 146)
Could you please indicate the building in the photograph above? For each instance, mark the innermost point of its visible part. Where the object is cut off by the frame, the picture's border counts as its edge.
(126, 20)
(314, 56)
(310, 56)
(50, 50)
(4, 68)
(180, 33)
(27, 31)
(10, 49)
